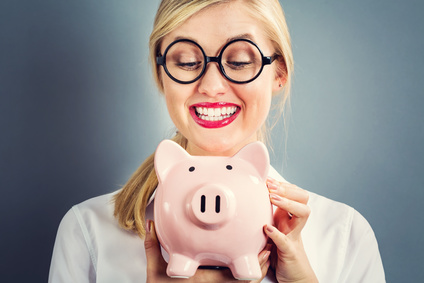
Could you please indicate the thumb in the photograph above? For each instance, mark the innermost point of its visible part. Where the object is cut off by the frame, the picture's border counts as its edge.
(155, 261)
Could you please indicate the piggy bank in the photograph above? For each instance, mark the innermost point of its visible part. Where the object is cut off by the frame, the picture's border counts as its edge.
(210, 210)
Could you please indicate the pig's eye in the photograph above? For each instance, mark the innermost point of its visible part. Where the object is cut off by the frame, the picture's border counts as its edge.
(229, 167)
(191, 169)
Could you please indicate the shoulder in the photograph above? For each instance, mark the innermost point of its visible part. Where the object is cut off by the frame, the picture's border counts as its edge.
(330, 210)
(327, 213)
(75, 253)
(87, 218)
(95, 210)
(339, 236)
(95, 207)
(99, 205)
(331, 216)
(90, 241)
(339, 215)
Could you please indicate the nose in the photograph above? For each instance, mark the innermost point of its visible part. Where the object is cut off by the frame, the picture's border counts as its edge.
(213, 83)
(212, 206)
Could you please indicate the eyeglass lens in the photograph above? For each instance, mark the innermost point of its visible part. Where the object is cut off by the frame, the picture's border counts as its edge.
(240, 61)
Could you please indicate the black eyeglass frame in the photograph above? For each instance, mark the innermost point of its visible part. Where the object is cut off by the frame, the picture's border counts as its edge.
(266, 60)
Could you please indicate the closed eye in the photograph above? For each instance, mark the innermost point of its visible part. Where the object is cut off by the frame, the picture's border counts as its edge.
(238, 65)
(189, 66)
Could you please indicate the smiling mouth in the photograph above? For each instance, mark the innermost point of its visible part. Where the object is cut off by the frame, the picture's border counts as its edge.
(215, 114)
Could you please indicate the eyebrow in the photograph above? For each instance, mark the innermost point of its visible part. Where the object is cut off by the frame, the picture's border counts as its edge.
(241, 36)
(183, 37)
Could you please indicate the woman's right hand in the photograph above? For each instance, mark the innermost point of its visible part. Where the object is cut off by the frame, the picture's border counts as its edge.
(156, 265)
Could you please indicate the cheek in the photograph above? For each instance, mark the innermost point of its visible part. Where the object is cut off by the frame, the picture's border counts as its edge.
(259, 98)
(176, 98)
(172, 100)
(258, 104)
(171, 92)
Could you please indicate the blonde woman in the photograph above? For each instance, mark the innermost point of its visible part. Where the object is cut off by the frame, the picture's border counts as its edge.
(218, 64)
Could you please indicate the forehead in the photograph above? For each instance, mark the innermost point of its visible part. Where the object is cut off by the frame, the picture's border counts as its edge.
(216, 25)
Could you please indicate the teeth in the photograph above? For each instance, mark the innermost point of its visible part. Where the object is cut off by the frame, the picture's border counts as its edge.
(215, 114)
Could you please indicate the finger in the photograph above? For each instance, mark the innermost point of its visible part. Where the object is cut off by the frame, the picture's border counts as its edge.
(288, 190)
(265, 263)
(294, 208)
(264, 256)
(154, 258)
(281, 241)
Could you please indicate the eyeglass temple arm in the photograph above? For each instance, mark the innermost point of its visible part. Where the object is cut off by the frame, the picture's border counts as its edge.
(267, 60)
(160, 60)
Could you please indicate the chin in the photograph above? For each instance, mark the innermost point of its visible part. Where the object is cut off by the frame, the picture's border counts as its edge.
(219, 146)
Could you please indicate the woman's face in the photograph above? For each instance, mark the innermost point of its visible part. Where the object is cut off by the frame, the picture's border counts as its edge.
(212, 28)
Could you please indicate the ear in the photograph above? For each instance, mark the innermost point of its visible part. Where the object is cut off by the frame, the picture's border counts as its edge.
(167, 155)
(280, 79)
(256, 154)
(278, 84)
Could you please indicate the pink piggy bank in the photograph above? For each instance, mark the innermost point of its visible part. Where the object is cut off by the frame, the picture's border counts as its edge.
(210, 210)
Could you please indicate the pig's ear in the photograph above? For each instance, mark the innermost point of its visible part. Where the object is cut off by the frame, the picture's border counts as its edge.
(167, 155)
(256, 154)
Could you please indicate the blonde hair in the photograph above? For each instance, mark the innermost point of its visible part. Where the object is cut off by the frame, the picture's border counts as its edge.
(132, 200)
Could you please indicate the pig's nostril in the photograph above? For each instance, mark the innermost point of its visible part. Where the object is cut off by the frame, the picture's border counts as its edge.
(203, 203)
(217, 204)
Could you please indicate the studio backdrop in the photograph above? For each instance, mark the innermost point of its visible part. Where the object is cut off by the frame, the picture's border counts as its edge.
(79, 112)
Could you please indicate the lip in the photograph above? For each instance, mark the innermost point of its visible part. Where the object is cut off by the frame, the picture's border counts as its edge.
(214, 124)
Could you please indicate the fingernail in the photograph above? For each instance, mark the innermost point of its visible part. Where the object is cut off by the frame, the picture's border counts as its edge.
(270, 179)
(269, 228)
(148, 227)
(275, 197)
(266, 255)
(272, 188)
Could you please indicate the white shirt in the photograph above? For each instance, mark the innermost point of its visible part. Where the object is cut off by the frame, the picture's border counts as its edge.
(91, 247)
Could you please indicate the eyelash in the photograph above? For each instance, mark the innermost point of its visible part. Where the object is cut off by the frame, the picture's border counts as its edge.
(190, 65)
(238, 65)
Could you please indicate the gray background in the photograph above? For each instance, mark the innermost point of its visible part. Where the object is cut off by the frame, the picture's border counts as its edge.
(79, 113)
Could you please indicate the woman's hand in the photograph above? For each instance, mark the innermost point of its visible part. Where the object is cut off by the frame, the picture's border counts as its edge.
(289, 258)
(156, 265)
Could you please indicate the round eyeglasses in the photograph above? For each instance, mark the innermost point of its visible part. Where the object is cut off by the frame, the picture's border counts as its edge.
(240, 61)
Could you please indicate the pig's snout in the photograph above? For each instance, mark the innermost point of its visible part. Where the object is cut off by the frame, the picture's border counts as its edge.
(212, 206)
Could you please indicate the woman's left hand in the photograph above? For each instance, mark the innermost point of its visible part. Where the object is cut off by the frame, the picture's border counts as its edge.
(289, 258)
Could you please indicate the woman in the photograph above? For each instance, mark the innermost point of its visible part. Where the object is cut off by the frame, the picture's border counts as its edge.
(219, 64)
